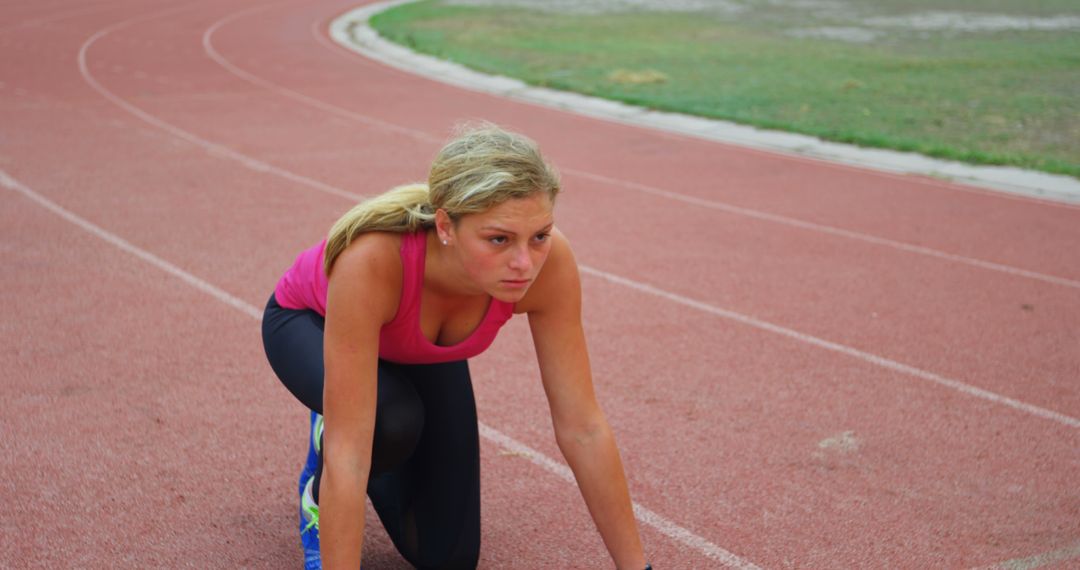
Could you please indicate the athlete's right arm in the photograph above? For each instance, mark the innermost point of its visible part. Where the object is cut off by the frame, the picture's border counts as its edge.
(364, 288)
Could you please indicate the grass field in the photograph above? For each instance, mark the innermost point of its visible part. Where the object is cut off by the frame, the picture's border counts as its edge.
(983, 81)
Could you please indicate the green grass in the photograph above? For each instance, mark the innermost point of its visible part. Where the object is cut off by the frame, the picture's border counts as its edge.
(1010, 97)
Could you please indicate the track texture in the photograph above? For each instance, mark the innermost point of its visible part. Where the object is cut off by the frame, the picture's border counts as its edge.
(807, 365)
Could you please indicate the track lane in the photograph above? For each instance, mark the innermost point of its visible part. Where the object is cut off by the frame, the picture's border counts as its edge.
(126, 412)
(605, 294)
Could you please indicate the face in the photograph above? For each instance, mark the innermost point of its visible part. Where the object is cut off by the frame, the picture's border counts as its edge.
(502, 250)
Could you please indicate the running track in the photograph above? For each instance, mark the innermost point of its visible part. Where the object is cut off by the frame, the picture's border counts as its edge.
(807, 365)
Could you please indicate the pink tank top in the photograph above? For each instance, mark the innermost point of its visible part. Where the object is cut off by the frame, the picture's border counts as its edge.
(304, 286)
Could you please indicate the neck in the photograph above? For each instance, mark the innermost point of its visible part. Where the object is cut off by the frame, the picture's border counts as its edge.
(443, 271)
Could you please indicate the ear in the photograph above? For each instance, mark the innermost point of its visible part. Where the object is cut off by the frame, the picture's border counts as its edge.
(444, 226)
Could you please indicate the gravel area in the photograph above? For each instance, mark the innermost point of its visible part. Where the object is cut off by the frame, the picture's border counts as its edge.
(609, 6)
(839, 20)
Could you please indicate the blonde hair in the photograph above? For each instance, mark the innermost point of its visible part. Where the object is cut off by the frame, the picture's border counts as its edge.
(482, 167)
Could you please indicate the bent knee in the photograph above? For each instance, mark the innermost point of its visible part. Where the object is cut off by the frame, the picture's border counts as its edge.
(397, 431)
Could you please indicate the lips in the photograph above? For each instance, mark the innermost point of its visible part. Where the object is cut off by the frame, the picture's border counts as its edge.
(515, 282)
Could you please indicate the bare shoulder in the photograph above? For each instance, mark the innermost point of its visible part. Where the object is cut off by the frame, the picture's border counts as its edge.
(368, 274)
(371, 251)
(558, 286)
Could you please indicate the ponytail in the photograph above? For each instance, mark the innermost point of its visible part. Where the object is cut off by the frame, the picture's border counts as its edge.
(402, 210)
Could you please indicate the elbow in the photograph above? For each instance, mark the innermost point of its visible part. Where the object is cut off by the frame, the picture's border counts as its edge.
(345, 462)
(582, 434)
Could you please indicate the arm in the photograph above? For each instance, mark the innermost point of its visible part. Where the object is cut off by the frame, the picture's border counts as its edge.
(362, 291)
(581, 430)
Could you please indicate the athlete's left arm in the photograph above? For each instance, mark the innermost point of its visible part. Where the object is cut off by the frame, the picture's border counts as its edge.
(553, 304)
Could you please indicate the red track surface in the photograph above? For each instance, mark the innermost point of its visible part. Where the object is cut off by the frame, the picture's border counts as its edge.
(884, 373)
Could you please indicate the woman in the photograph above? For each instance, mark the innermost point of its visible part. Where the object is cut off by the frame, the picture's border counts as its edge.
(372, 328)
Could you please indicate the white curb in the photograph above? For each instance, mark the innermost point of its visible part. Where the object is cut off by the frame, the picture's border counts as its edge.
(353, 31)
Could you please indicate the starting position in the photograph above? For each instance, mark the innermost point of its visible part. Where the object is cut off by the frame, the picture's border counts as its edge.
(371, 330)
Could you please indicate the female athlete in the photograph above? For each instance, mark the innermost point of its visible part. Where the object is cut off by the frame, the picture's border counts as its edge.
(371, 330)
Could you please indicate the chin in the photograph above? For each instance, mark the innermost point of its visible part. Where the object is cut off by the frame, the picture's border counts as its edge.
(508, 296)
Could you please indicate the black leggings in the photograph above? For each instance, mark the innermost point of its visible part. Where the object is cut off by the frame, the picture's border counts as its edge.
(425, 464)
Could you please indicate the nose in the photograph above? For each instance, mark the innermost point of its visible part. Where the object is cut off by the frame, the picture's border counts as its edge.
(521, 260)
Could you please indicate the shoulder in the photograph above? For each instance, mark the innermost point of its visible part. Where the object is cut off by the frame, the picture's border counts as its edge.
(368, 272)
(378, 251)
(559, 284)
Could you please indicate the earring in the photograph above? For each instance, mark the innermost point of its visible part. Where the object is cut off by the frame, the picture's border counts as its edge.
(444, 242)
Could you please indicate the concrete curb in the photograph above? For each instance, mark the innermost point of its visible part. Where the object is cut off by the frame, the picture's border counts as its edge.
(353, 31)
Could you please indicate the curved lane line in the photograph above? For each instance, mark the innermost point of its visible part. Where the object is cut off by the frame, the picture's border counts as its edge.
(213, 148)
(208, 45)
(56, 17)
(1038, 560)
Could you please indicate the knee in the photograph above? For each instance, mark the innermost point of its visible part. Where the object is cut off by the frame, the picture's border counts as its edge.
(397, 432)
(468, 555)
(464, 556)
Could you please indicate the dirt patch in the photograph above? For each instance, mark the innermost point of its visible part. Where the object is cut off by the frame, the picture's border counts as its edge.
(870, 29)
(964, 22)
(645, 76)
(845, 442)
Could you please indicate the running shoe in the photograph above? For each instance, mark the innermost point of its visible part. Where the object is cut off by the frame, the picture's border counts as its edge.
(311, 464)
(309, 510)
(309, 528)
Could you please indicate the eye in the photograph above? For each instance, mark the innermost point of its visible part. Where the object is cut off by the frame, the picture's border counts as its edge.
(542, 237)
(497, 240)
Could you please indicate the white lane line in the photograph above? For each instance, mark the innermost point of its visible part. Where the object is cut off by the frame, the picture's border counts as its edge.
(39, 21)
(208, 46)
(212, 148)
(10, 183)
(839, 348)
(351, 55)
(646, 516)
(654, 520)
(1060, 555)
(868, 357)
(831, 230)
